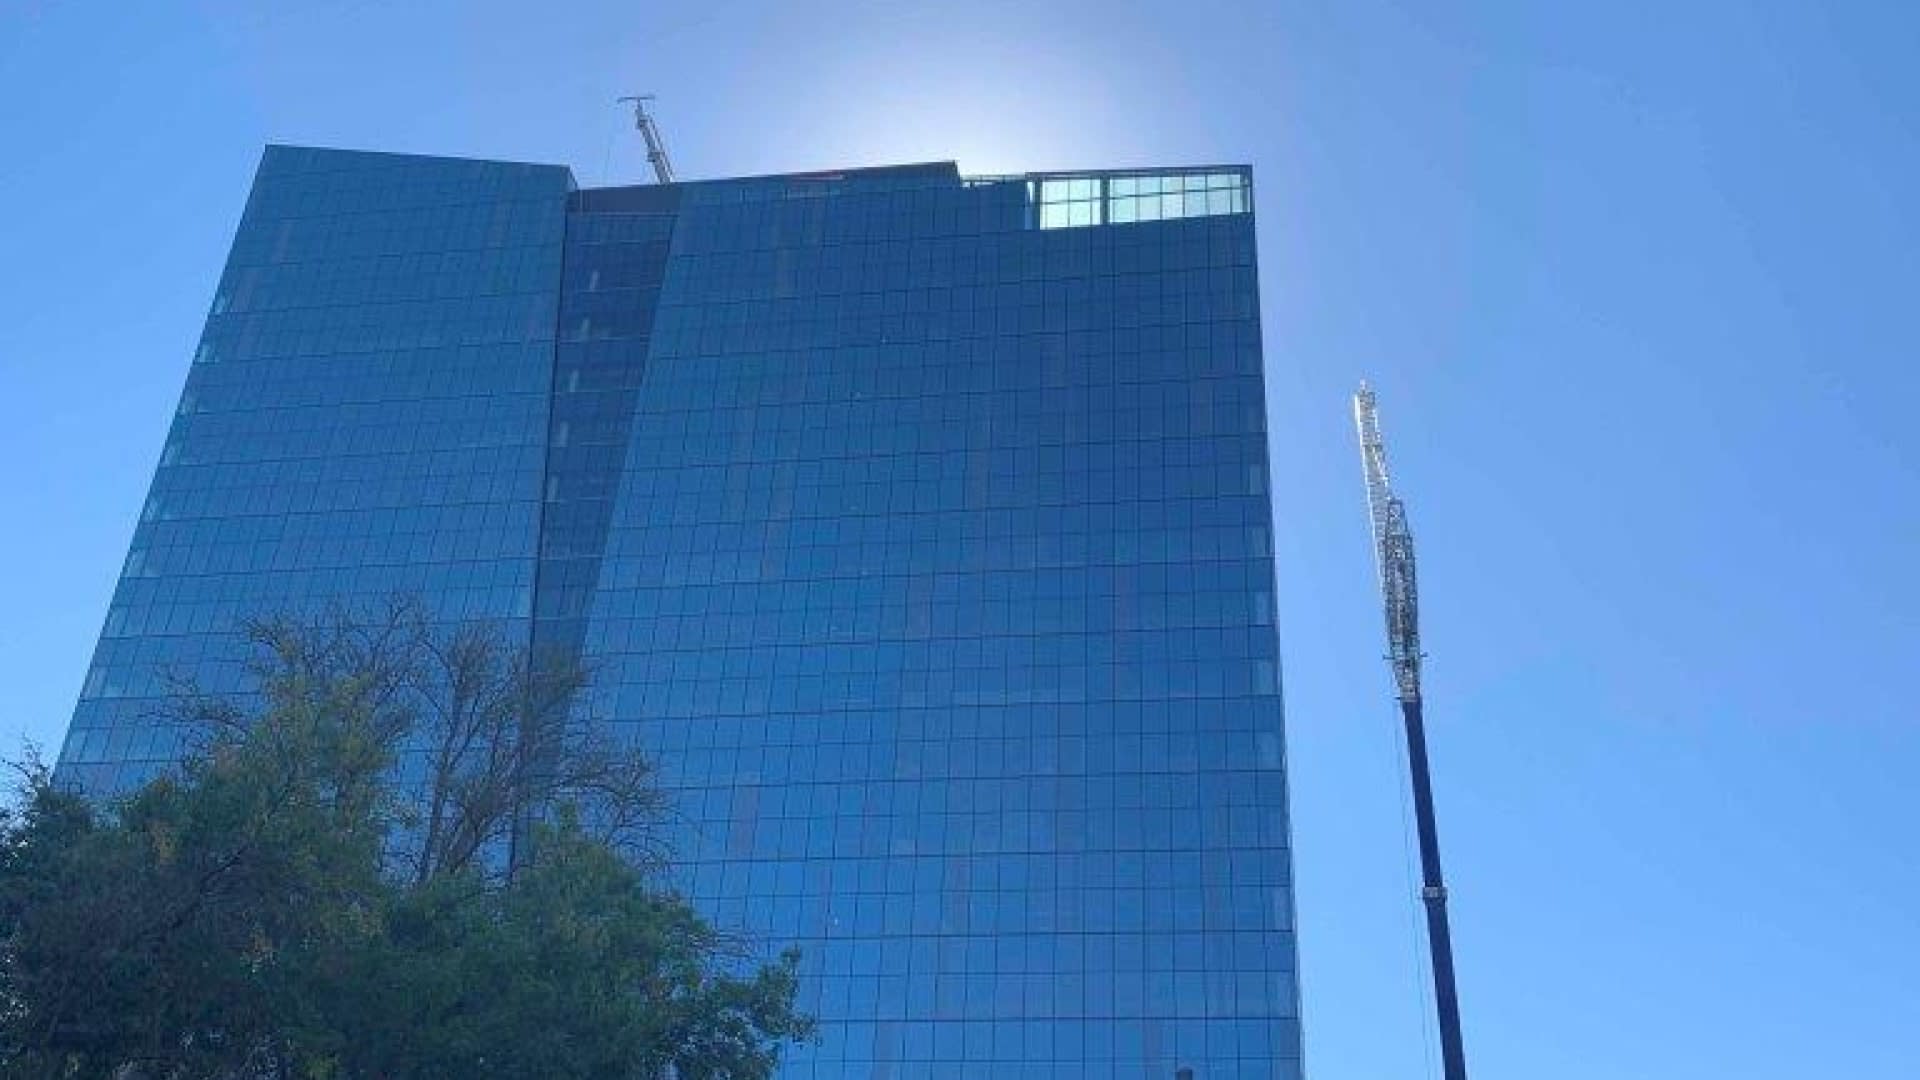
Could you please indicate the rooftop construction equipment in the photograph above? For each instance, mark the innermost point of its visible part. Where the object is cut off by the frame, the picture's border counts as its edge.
(650, 131)
(1393, 555)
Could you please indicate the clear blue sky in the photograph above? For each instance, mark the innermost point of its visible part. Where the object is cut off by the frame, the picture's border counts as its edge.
(1636, 283)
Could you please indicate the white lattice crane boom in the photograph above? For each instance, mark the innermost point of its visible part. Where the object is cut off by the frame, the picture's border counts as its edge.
(1392, 550)
(650, 131)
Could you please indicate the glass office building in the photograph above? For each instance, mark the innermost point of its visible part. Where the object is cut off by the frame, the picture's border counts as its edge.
(917, 524)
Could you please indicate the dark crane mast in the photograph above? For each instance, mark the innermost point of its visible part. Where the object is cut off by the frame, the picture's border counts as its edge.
(1393, 552)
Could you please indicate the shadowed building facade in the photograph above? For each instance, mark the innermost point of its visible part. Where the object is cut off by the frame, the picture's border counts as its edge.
(917, 524)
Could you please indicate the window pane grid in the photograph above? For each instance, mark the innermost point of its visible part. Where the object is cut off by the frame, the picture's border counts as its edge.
(1124, 199)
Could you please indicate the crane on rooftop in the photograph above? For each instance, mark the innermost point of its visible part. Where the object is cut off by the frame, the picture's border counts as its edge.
(650, 131)
(1393, 557)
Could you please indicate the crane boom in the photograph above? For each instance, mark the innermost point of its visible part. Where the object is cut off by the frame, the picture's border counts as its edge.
(1392, 550)
(650, 131)
(1393, 559)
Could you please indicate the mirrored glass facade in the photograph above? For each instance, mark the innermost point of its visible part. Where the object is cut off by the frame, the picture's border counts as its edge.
(917, 524)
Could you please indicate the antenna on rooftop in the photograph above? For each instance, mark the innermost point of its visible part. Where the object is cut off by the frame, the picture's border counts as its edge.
(656, 146)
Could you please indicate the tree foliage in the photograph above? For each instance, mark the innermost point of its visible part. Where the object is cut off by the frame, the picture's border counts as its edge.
(397, 859)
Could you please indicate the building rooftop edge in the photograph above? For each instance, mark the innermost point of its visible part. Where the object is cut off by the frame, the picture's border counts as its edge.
(931, 169)
(272, 146)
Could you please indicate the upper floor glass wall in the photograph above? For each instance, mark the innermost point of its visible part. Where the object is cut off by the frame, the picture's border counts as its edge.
(1122, 198)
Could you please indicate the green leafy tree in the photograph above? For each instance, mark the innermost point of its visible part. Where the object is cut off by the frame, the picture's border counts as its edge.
(405, 856)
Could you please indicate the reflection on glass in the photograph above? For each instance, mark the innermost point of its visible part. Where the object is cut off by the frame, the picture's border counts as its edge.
(1081, 201)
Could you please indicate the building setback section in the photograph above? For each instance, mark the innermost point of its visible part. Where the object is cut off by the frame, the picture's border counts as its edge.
(917, 524)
